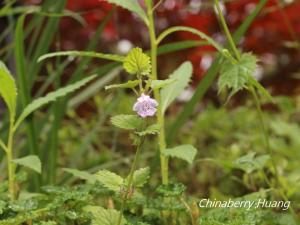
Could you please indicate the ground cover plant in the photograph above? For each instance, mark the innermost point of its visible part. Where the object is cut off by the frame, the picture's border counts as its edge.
(155, 166)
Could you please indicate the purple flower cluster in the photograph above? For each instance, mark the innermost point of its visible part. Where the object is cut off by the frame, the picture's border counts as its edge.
(145, 106)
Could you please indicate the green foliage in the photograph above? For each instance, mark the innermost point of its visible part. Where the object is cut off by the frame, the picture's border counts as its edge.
(129, 84)
(8, 89)
(101, 216)
(141, 177)
(137, 62)
(152, 129)
(81, 174)
(184, 152)
(36, 104)
(31, 161)
(250, 163)
(171, 190)
(114, 182)
(210, 76)
(157, 84)
(182, 77)
(238, 216)
(128, 122)
(109, 180)
(241, 215)
(46, 223)
(133, 6)
(225, 136)
(236, 76)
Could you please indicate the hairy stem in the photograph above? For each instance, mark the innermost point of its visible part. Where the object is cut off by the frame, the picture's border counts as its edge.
(160, 116)
(130, 180)
(10, 164)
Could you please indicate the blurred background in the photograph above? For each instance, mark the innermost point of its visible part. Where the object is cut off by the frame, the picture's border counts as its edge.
(274, 35)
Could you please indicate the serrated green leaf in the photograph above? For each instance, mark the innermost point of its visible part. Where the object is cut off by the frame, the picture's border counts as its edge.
(128, 122)
(141, 177)
(249, 162)
(110, 180)
(185, 152)
(152, 129)
(171, 190)
(236, 76)
(133, 6)
(157, 84)
(32, 162)
(101, 216)
(182, 77)
(81, 174)
(52, 96)
(129, 84)
(137, 62)
(8, 89)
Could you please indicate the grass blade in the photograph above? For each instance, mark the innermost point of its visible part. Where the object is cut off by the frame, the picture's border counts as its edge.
(23, 88)
(116, 58)
(52, 96)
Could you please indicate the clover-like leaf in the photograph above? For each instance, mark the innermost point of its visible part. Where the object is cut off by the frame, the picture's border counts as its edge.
(137, 62)
(236, 76)
(184, 152)
(128, 122)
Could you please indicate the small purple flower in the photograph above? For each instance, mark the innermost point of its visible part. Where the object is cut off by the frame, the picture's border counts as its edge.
(145, 106)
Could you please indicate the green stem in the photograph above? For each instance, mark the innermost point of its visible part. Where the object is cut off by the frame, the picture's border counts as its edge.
(160, 116)
(269, 150)
(188, 208)
(226, 30)
(130, 180)
(264, 131)
(10, 164)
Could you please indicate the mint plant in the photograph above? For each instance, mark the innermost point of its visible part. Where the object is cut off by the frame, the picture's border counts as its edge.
(146, 82)
(148, 116)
